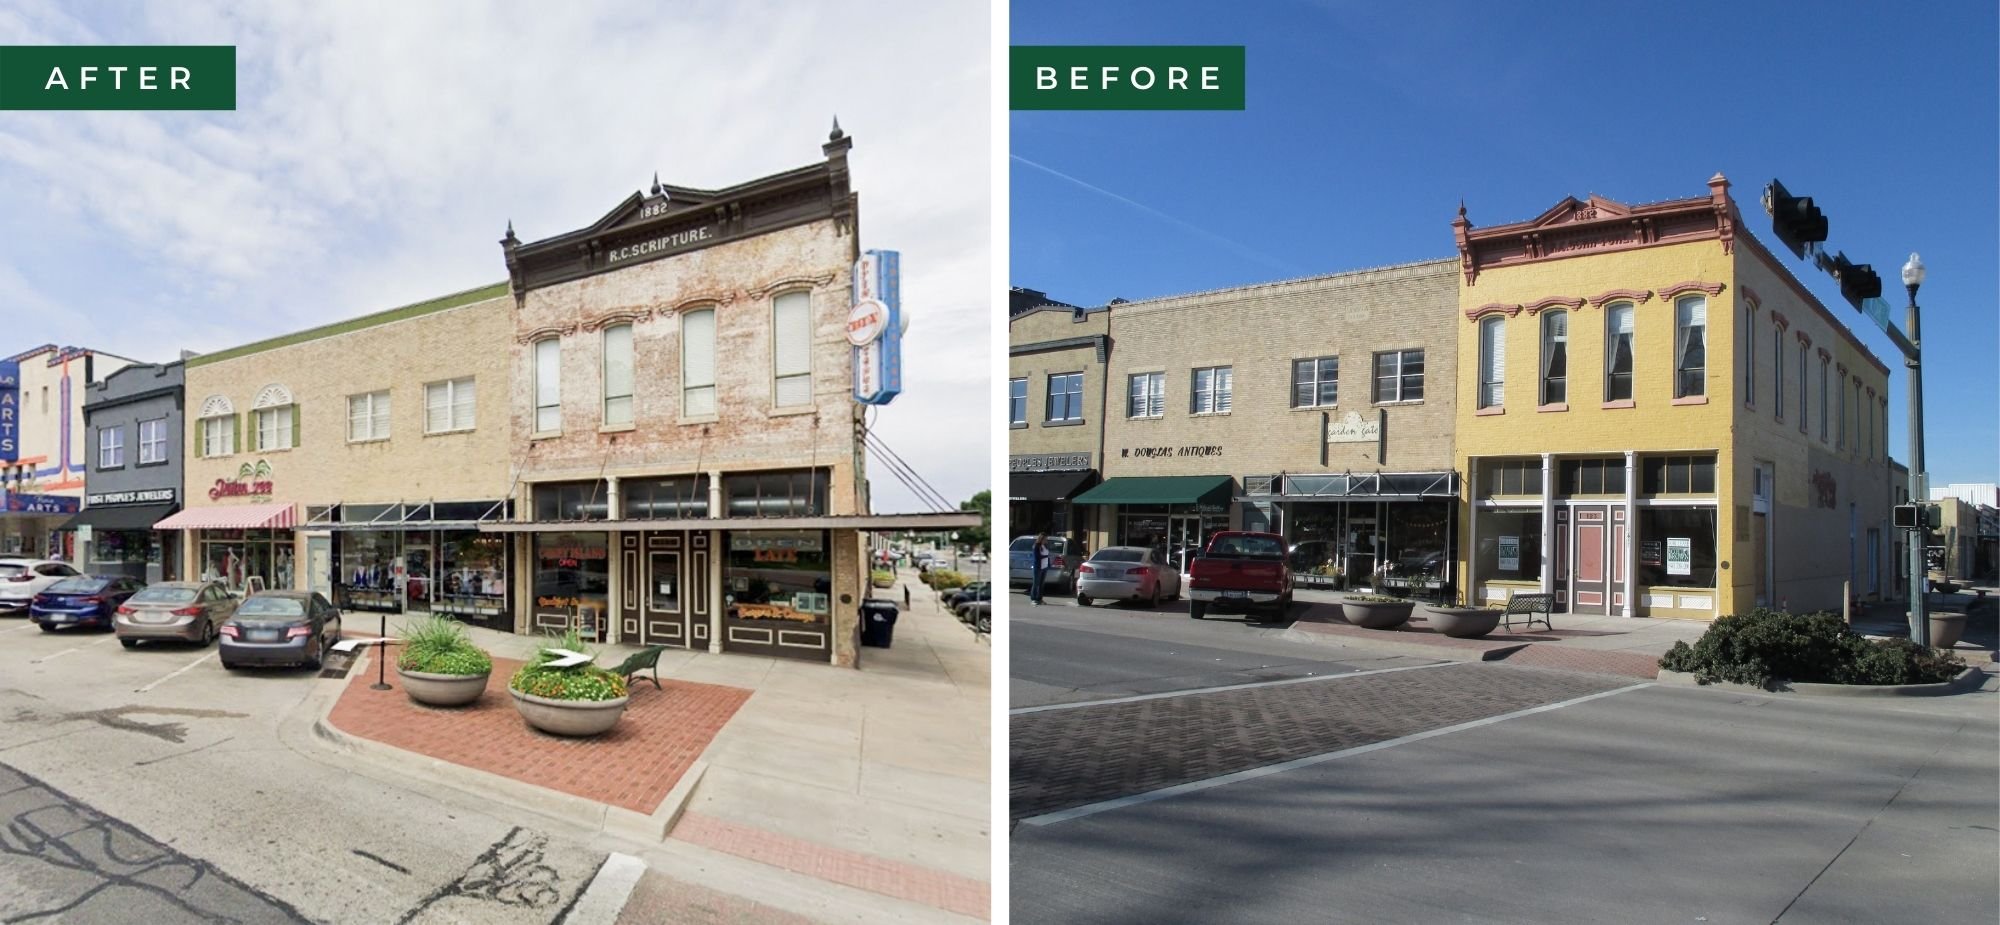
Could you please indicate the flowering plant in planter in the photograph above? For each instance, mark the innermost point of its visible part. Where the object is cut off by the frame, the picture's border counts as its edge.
(439, 666)
(582, 682)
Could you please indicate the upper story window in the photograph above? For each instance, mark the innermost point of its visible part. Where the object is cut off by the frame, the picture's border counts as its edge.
(451, 405)
(1065, 397)
(795, 493)
(1778, 375)
(110, 447)
(1825, 371)
(219, 425)
(588, 500)
(1677, 475)
(1146, 396)
(1555, 357)
(152, 441)
(791, 350)
(1399, 376)
(276, 418)
(1618, 352)
(1492, 363)
(1511, 477)
(1213, 389)
(1690, 347)
(698, 363)
(548, 385)
(1316, 382)
(1871, 430)
(1749, 352)
(1840, 414)
(1017, 402)
(617, 375)
(1804, 378)
(368, 416)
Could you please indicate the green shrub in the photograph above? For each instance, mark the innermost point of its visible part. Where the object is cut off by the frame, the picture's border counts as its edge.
(946, 580)
(882, 579)
(583, 682)
(1766, 645)
(440, 645)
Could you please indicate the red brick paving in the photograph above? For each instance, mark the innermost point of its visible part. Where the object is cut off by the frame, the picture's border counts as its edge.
(1631, 664)
(633, 766)
(933, 888)
(662, 900)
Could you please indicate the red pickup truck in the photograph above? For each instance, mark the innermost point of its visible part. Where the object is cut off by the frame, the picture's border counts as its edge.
(1241, 572)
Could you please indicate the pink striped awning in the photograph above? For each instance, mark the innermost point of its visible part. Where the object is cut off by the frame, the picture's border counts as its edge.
(232, 517)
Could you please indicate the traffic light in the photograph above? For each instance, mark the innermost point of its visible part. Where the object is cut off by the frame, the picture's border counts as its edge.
(1858, 281)
(1917, 517)
(1795, 219)
(1905, 517)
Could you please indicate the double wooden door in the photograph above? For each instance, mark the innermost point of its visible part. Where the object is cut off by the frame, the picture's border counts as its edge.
(1590, 558)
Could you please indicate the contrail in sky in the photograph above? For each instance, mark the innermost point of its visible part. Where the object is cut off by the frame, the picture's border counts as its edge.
(1239, 248)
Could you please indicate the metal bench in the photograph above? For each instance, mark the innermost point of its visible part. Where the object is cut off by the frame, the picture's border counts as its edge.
(1527, 605)
(647, 659)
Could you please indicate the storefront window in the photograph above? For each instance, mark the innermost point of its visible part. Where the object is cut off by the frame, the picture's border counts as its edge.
(664, 499)
(370, 566)
(573, 578)
(1510, 544)
(247, 559)
(1417, 537)
(1677, 547)
(778, 575)
(115, 550)
(798, 493)
(472, 576)
(557, 501)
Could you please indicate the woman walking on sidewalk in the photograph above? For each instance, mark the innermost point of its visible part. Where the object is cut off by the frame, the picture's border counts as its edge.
(1038, 562)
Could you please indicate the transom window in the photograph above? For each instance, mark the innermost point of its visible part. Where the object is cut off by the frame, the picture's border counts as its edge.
(1399, 376)
(1555, 358)
(368, 416)
(1512, 477)
(1213, 387)
(1677, 475)
(1592, 476)
(110, 447)
(450, 405)
(1690, 347)
(1065, 397)
(1316, 382)
(1618, 352)
(1017, 402)
(1146, 395)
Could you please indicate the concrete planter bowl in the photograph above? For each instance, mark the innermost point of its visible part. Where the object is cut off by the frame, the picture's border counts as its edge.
(575, 718)
(1462, 622)
(1377, 615)
(443, 690)
(1946, 628)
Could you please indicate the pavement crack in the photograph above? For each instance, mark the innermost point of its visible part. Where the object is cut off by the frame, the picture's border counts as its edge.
(141, 764)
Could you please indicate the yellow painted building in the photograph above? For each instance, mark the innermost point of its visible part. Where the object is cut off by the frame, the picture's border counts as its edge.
(1655, 418)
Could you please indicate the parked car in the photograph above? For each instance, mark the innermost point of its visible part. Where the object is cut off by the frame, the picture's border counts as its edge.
(979, 615)
(952, 596)
(977, 558)
(1241, 572)
(189, 611)
(1128, 573)
(977, 593)
(85, 600)
(22, 578)
(1058, 578)
(280, 628)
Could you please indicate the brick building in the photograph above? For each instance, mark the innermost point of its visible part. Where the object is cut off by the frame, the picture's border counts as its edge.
(1655, 418)
(1056, 359)
(1320, 408)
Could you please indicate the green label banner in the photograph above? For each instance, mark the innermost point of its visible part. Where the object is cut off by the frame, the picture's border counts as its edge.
(117, 77)
(1125, 77)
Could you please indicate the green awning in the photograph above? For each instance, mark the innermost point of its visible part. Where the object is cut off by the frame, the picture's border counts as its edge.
(1161, 489)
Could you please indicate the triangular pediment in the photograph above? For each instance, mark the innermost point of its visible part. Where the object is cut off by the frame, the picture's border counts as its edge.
(1572, 210)
(641, 207)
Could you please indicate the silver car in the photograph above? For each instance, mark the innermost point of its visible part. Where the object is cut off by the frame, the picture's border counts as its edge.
(1128, 573)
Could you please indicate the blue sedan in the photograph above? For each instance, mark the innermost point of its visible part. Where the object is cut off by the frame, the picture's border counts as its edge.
(85, 600)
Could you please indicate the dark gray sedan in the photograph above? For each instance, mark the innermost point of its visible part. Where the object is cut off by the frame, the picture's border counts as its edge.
(280, 628)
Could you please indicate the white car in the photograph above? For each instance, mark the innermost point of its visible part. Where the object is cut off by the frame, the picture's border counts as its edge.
(22, 579)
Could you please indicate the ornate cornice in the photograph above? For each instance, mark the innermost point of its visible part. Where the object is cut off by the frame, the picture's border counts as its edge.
(1553, 301)
(1635, 296)
(1669, 293)
(546, 331)
(1474, 314)
(1576, 227)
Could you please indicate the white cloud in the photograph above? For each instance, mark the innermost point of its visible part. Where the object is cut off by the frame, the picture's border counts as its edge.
(379, 149)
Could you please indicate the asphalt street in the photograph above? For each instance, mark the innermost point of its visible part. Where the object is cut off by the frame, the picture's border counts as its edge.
(1634, 804)
(152, 781)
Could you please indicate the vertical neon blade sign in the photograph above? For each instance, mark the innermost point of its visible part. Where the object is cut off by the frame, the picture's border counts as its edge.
(878, 363)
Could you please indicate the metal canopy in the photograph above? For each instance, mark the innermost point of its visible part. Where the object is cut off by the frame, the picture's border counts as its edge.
(408, 515)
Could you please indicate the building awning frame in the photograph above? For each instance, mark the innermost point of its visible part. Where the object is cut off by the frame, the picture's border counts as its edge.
(951, 520)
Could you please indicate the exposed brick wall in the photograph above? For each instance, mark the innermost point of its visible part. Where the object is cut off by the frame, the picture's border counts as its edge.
(1041, 327)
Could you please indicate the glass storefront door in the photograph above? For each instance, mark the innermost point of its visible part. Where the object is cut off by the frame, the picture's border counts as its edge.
(1360, 543)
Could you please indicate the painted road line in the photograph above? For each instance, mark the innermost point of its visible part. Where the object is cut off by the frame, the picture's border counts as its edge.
(605, 897)
(177, 672)
(56, 655)
(1017, 711)
(26, 627)
(1076, 812)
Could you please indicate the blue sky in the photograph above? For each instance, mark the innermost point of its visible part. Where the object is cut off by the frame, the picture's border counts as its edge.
(379, 149)
(1367, 123)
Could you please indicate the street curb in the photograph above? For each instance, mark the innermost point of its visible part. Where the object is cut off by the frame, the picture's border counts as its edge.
(485, 785)
(1970, 679)
(1401, 647)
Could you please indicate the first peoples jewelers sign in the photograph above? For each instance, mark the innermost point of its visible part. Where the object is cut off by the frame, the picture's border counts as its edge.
(147, 496)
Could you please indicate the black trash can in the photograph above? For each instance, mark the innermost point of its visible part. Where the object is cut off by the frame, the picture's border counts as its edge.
(878, 623)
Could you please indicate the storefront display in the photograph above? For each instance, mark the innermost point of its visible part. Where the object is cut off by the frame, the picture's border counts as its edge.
(124, 552)
(247, 559)
(1677, 547)
(371, 571)
(471, 580)
(778, 593)
(572, 584)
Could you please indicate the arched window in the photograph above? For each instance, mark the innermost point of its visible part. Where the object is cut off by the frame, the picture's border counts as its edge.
(1492, 362)
(1618, 352)
(1555, 357)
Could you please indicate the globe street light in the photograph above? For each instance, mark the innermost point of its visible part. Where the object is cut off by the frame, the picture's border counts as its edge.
(1920, 625)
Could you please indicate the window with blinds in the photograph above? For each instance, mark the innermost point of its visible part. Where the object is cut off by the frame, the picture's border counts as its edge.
(1212, 388)
(1690, 347)
(274, 428)
(450, 406)
(1316, 382)
(218, 436)
(1555, 358)
(791, 350)
(1399, 376)
(618, 375)
(698, 363)
(1492, 362)
(1618, 352)
(368, 417)
(1147, 396)
(548, 386)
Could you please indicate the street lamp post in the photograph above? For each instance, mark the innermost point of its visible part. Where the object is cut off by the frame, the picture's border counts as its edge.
(1920, 625)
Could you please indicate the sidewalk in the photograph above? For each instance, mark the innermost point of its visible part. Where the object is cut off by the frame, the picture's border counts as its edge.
(870, 783)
